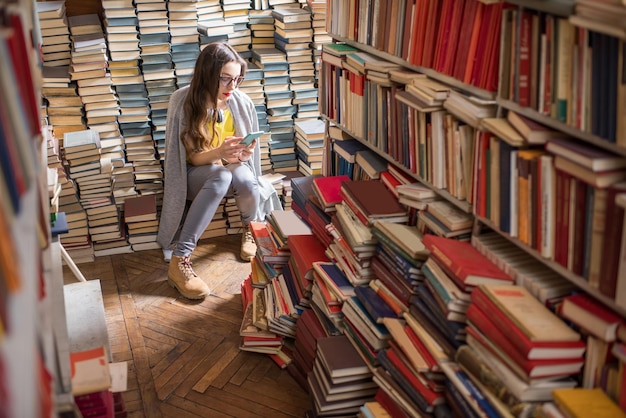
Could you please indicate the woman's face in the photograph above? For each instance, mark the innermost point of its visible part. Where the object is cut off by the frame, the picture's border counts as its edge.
(229, 79)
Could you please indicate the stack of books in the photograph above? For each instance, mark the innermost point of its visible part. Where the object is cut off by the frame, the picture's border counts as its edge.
(121, 32)
(91, 382)
(262, 27)
(206, 11)
(267, 248)
(140, 216)
(123, 181)
(236, 15)
(308, 331)
(444, 219)
(309, 136)
(55, 39)
(185, 41)
(371, 201)
(340, 381)
(320, 32)
(331, 289)
(254, 332)
(233, 216)
(89, 68)
(64, 107)
(345, 150)
(537, 355)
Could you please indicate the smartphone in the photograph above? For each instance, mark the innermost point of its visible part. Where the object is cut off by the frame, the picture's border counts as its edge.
(247, 140)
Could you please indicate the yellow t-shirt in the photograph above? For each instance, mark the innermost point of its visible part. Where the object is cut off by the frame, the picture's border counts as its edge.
(224, 129)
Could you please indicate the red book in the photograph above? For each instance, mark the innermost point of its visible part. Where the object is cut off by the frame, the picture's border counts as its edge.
(531, 327)
(464, 262)
(430, 36)
(611, 245)
(409, 18)
(305, 250)
(419, 345)
(419, 29)
(413, 378)
(494, 340)
(468, 66)
(327, 189)
(591, 316)
(140, 208)
(465, 38)
(390, 405)
(443, 33)
(524, 368)
(452, 50)
(481, 47)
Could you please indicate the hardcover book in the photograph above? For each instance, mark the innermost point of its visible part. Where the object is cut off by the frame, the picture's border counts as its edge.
(464, 262)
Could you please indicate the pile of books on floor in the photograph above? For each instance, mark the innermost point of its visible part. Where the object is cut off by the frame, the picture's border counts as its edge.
(340, 382)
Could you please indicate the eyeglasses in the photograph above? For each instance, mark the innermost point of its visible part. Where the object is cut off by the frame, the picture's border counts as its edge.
(227, 80)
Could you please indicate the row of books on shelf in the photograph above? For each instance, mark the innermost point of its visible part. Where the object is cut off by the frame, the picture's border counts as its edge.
(541, 61)
(477, 328)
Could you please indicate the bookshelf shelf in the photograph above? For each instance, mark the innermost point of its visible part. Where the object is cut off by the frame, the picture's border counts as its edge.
(450, 81)
(580, 282)
(464, 206)
(563, 8)
(560, 126)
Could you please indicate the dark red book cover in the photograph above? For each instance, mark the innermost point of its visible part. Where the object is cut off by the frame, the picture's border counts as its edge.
(372, 198)
(465, 39)
(398, 287)
(470, 60)
(579, 227)
(306, 249)
(490, 80)
(430, 36)
(456, 25)
(443, 32)
(562, 233)
(611, 246)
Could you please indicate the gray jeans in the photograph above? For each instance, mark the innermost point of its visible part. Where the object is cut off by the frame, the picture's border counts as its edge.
(206, 187)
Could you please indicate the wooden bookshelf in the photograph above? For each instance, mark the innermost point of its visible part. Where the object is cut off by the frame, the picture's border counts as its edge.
(563, 8)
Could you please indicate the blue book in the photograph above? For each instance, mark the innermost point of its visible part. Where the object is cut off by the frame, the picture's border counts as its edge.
(335, 278)
(348, 149)
(374, 304)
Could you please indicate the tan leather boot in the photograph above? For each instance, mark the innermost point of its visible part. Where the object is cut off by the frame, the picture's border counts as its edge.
(248, 245)
(182, 277)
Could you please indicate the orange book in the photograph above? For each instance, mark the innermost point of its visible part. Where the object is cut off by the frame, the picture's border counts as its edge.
(420, 31)
(432, 21)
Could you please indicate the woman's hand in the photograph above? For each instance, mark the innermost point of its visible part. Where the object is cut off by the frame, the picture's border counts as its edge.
(231, 149)
(247, 152)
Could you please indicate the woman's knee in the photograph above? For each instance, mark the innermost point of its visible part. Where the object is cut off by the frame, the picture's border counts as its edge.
(220, 181)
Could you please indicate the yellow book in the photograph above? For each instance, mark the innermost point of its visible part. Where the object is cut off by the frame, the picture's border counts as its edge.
(581, 402)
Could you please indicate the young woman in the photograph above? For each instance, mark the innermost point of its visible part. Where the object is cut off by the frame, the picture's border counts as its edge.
(204, 162)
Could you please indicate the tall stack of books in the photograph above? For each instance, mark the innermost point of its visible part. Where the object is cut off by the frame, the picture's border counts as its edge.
(340, 381)
(212, 26)
(236, 14)
(262, 28)
(157, 66)
(281, 144)
(123, 181)
(294, 36)
(89, 67)
(121, 29)
(310, 145)
(55, 34)
(183, 23)
(64, 107)
(320, 33)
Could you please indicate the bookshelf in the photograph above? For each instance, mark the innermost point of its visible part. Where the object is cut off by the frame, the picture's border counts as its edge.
(577, 130)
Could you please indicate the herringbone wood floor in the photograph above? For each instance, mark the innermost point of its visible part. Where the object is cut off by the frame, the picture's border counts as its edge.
(183, 357)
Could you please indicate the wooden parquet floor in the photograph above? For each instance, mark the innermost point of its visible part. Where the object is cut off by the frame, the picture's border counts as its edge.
(183, 356)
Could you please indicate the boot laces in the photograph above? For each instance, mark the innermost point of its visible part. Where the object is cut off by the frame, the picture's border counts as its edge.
(185, 266)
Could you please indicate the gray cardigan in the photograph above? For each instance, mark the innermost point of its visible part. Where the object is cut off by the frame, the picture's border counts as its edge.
(175, 169)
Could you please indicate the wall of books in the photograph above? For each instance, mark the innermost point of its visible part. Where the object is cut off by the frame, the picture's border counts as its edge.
(109, 68)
